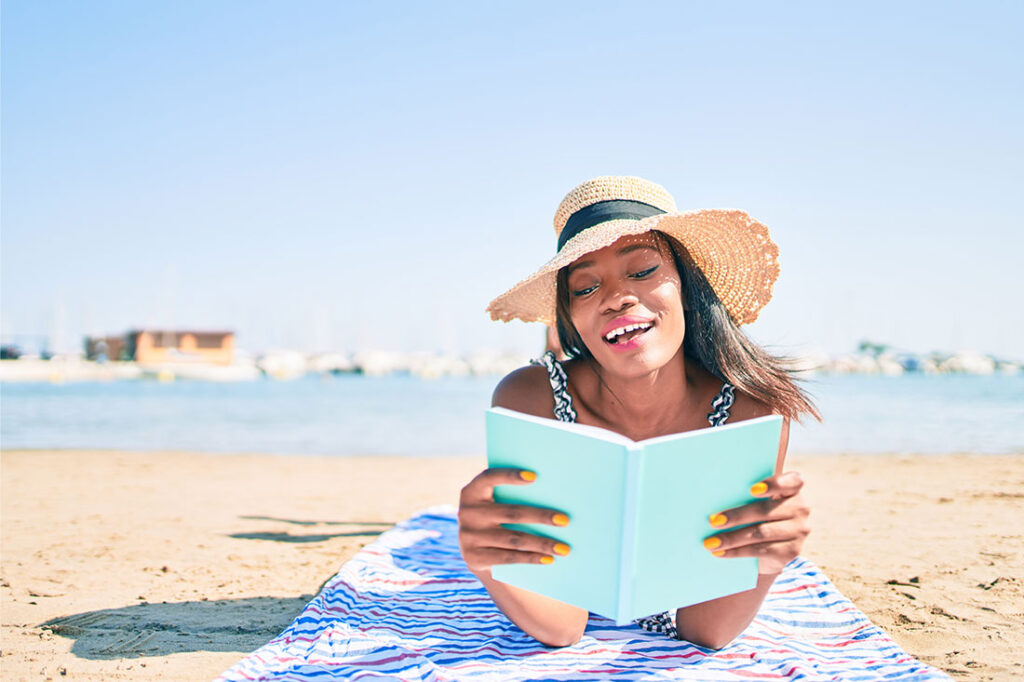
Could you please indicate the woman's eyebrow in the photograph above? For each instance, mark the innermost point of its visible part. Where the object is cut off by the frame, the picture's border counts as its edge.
(577, 266)
(621, 252)
(636, 247)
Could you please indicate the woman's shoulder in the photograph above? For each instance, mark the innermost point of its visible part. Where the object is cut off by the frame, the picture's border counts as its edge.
(526, 390)
(714, 389)
(745, 406)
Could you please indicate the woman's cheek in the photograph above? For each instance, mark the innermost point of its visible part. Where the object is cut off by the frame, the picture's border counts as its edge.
(671, 310)
(578, 317)
(670, 299)
(668, 291)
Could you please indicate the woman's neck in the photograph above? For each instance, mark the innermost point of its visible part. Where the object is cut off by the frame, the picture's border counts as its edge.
(668, 400)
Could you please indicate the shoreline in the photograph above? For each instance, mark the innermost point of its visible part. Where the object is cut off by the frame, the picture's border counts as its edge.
(173, 565)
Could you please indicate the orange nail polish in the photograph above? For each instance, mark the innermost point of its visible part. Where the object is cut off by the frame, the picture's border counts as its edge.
(560, 520)
(718, 553)
(547, 559)
(759, 488)
(527, 475)
(712, 542)
(717, 520)
(562, 548)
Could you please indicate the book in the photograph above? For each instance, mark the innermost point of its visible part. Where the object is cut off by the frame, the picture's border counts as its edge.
(638, 509)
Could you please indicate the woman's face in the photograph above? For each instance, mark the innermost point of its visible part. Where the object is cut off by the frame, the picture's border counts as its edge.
(626, 302)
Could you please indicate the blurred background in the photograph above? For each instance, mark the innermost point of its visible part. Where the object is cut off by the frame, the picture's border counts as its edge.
(274, 227)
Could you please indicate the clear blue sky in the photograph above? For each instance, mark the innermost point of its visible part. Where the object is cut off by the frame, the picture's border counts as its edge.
(346, 175)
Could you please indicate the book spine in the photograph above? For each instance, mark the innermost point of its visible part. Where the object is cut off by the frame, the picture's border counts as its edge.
(627, 556)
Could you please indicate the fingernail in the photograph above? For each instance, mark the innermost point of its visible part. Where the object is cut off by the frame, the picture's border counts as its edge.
(527, 475)
(759, 488)
(562, 548)
(719, 553)
(547, 559)
(717, 520)
(712, 542)
(560, 520)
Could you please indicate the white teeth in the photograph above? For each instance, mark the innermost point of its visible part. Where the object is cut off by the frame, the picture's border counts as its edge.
(628, 328)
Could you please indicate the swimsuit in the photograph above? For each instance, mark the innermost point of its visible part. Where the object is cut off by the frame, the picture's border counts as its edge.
(564, 412)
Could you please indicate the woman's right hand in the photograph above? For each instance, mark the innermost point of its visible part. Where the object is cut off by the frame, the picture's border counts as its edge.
(483, 540)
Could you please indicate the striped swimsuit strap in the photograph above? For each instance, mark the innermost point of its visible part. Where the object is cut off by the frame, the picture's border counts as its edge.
(664, 623)
(565, 412)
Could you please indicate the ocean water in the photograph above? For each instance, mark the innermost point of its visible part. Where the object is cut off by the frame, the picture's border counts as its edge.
(348, 415)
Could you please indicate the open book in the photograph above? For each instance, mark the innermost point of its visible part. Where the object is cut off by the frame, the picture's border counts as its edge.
(639, 510)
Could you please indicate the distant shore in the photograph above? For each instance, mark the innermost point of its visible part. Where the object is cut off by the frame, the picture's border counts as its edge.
(286, 365)
(120, 565)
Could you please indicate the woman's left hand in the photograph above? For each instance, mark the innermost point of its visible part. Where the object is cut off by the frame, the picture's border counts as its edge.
(779, 525)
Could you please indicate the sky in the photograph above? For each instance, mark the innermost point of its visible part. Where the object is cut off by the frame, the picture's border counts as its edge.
(344, 176)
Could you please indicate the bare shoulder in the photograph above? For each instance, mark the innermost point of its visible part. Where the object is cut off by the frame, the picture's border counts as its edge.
(746, 407)
(527, 390)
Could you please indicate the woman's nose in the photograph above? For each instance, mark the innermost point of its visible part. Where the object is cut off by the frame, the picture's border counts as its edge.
(619, 296)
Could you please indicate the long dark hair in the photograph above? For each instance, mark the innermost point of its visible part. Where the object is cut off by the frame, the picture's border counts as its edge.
(712, 340)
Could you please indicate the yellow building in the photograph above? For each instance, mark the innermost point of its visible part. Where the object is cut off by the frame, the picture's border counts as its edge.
(160, 347)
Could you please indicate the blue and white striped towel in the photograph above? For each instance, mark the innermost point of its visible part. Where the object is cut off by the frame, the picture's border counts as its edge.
(406, 608)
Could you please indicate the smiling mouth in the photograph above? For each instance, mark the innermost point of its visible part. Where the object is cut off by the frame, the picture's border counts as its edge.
(627, 333)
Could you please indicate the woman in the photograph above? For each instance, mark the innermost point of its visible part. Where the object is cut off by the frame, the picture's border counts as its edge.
(647, 303)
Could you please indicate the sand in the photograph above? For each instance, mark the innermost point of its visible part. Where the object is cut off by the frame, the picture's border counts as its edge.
(172, 566)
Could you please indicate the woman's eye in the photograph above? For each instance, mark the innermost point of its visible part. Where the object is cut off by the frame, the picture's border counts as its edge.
(583, 292)
(644, 273)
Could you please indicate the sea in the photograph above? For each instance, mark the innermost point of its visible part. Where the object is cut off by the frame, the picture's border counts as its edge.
(360, 415)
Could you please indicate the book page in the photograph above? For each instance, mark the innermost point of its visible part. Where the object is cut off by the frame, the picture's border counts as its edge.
(685, 479)
(579, 475)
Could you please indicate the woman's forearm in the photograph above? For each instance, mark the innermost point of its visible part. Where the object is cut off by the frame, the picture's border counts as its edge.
(549, 621)
(711, 624)
(715, 623)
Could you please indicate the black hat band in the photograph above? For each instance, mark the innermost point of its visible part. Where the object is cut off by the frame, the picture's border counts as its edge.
(602, 212)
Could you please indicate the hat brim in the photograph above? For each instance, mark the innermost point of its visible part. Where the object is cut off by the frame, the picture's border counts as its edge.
(732, 250)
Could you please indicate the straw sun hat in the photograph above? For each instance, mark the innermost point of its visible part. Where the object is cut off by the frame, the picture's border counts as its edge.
(732, 250)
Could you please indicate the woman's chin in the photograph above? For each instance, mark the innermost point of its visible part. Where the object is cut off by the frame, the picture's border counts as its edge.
(635, 362)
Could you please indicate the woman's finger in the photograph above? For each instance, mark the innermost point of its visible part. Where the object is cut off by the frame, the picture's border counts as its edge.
(514, 540)
(487, 515)
(486, 557)
(776, 487)
(783, 551)
(759, 512)
(523, 513)
(757, 534)
(481, 488)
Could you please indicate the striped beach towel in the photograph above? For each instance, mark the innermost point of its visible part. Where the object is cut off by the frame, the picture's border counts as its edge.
(407, 608)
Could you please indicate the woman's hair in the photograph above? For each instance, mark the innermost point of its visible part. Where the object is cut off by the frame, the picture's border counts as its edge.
(711, 339)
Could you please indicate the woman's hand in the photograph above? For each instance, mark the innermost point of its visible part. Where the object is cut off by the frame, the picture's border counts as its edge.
(779, 527)
(482, 539)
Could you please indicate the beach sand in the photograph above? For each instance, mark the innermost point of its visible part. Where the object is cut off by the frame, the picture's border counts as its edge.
(173, 566)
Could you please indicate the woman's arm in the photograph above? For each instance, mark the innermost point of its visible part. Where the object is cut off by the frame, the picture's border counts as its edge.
(779, 528)
(549, 621)
(484, 541)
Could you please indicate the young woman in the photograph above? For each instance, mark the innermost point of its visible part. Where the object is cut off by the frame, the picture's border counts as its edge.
(647, 303)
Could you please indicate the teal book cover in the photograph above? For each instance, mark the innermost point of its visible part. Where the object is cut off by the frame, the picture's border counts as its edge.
(639, 509)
